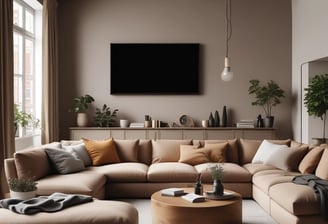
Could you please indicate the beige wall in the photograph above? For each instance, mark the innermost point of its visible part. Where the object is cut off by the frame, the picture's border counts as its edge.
(260, 48)
(310, 35)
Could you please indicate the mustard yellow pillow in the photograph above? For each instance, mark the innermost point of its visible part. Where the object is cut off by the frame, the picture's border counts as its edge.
(101, 151)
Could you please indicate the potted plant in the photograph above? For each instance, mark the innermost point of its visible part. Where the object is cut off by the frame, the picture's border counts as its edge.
(23, 119)
(316, 100)
(267, 96)
(216, 171)
(105, 117)
(22, 188)
(81, 105)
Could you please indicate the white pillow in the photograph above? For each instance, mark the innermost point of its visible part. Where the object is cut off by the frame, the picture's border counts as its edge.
(265, 151)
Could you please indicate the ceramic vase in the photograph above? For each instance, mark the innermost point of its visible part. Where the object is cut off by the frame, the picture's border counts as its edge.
(218, 187)
(211, 120)
(82, 120)
(216, 119)
(224, 117)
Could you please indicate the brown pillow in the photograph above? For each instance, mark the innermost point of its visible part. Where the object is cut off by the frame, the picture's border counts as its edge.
(32, 163)
(232, 149)
(311, 160)
(167, 150)
(322, 169)
(248, 149)
(217, 152)
(101, 151)
(127, 150)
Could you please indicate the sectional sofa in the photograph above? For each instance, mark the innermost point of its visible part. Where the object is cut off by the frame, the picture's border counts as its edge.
(114, 168)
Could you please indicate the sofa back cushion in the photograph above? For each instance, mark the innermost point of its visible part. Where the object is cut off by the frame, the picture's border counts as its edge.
(167, 150)
(232, 149)
(311, 160)
(145, 151)
(127, 150)
(322, 169)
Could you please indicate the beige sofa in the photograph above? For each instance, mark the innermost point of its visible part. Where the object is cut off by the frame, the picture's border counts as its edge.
(138, 168)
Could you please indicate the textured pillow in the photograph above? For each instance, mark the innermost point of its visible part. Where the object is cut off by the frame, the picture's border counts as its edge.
(311, 160)
(63, 161)
(32, 164)
(322, 169)
(167, 150)
(286, 158)
(81, 152)
(192, 155)
(265, 150)
(127, 150)
(101, 151)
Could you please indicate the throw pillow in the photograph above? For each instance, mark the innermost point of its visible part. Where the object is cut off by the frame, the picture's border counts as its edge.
(232, 154)
(192, 155)
(81, 152)
(286, 158)
(217, 152)
(265, 151)
(167, 150)
(127, 150)
(63, 161)
(322, 169)
(248, 149)
(311, 160)
(101, 151)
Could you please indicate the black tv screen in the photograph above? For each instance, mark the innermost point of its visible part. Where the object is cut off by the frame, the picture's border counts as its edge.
(154, 68)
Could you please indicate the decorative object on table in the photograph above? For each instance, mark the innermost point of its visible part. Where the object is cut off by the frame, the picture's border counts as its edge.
(124, 123)
(198, 188)
(224, 117)
(204, 123)
(105, 117)
(316, 101)
(216, 119)
(147, 121)
(23, 119)
(81, 105)
(22, 188)
(155, 123)
(259, 121)
(211, 121)
(216, 171)
(186, 121)
(173, 191)
(267, 96)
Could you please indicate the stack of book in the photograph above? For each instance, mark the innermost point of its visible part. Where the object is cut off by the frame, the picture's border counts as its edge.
(137, 125)
(172, 192)
(245, 124)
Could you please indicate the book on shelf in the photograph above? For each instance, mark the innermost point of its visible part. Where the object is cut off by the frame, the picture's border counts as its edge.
(245, 124)
(137, 125)
(191, 197)
(172, 191)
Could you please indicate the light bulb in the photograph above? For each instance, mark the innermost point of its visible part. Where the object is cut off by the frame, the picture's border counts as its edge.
(226, 74)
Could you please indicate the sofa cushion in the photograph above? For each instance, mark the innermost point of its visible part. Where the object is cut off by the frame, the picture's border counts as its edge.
(322, 169)
(265, 150)
(232, 149)
(32, 163)
(233, 173)
(81, 152)
(102, 151)
(167, 150)
(145, 151)
(64, 161)
(171, 172)
(123, 172)
(264, 182)
(127, 150)
(311, 160)
(257, 167)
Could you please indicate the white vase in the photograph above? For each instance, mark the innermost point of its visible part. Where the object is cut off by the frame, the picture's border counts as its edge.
(22, 195)
(82, 119)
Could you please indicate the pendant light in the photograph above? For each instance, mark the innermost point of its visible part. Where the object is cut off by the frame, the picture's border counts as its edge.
(227, 74)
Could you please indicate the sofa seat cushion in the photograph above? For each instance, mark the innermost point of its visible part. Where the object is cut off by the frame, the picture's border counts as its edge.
(233, 173)
(256, 167)
(171, 172)
(123, 172)
(84, 182)
(264, 182)
(297, 199)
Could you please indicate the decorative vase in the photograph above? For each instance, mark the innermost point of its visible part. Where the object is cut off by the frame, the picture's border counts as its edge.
(211, 120)
(82, 119)
(218, 187)
(224, 117)
(216, 119)
(22, 195)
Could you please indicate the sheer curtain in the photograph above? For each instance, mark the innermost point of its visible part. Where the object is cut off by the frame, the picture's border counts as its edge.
(50, 127)
(7, 143)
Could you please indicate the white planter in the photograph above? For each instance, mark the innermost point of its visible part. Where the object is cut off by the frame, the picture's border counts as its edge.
(82, 120)
(22, 195)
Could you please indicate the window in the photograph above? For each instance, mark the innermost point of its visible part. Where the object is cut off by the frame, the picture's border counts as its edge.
(27, 47)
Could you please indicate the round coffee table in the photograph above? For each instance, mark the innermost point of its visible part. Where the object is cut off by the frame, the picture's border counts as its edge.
(173, 210)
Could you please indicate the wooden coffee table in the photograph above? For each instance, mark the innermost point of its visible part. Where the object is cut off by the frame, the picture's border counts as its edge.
(176, 210)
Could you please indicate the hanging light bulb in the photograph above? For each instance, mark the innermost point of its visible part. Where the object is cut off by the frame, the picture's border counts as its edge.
(227, 74)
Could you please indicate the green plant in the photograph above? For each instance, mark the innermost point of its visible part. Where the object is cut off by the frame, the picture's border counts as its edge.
(316, 98)
(81, 104)
(105, 117)
(216, 171)
(23, 119)
(266, 96)
(22, 185)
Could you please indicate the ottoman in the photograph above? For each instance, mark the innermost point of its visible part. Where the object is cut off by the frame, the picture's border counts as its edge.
(97, 212)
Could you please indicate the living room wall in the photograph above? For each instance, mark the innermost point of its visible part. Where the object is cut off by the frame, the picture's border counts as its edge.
(260, 48)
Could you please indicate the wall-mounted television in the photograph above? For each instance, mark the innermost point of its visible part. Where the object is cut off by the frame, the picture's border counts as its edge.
(154, 68)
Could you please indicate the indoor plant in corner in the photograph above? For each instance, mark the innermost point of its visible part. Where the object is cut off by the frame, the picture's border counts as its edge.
(316, 100)
(22, 188)
(81, 105)
(267, 96)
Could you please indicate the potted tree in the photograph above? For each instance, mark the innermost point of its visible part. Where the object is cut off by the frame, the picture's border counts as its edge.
(316, 100)
(267, 96)
(81, 105)
(23, 119)
(22, 188)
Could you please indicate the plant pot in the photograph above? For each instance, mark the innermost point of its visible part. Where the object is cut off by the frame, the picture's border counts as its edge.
(268, 121)
(22, 195)
(82, 120)
(218, 187)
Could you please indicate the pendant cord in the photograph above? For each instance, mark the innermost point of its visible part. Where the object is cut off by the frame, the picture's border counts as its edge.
(229, 25)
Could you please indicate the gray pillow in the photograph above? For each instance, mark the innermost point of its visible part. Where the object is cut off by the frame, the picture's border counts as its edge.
(63, 161)
(81, 152)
